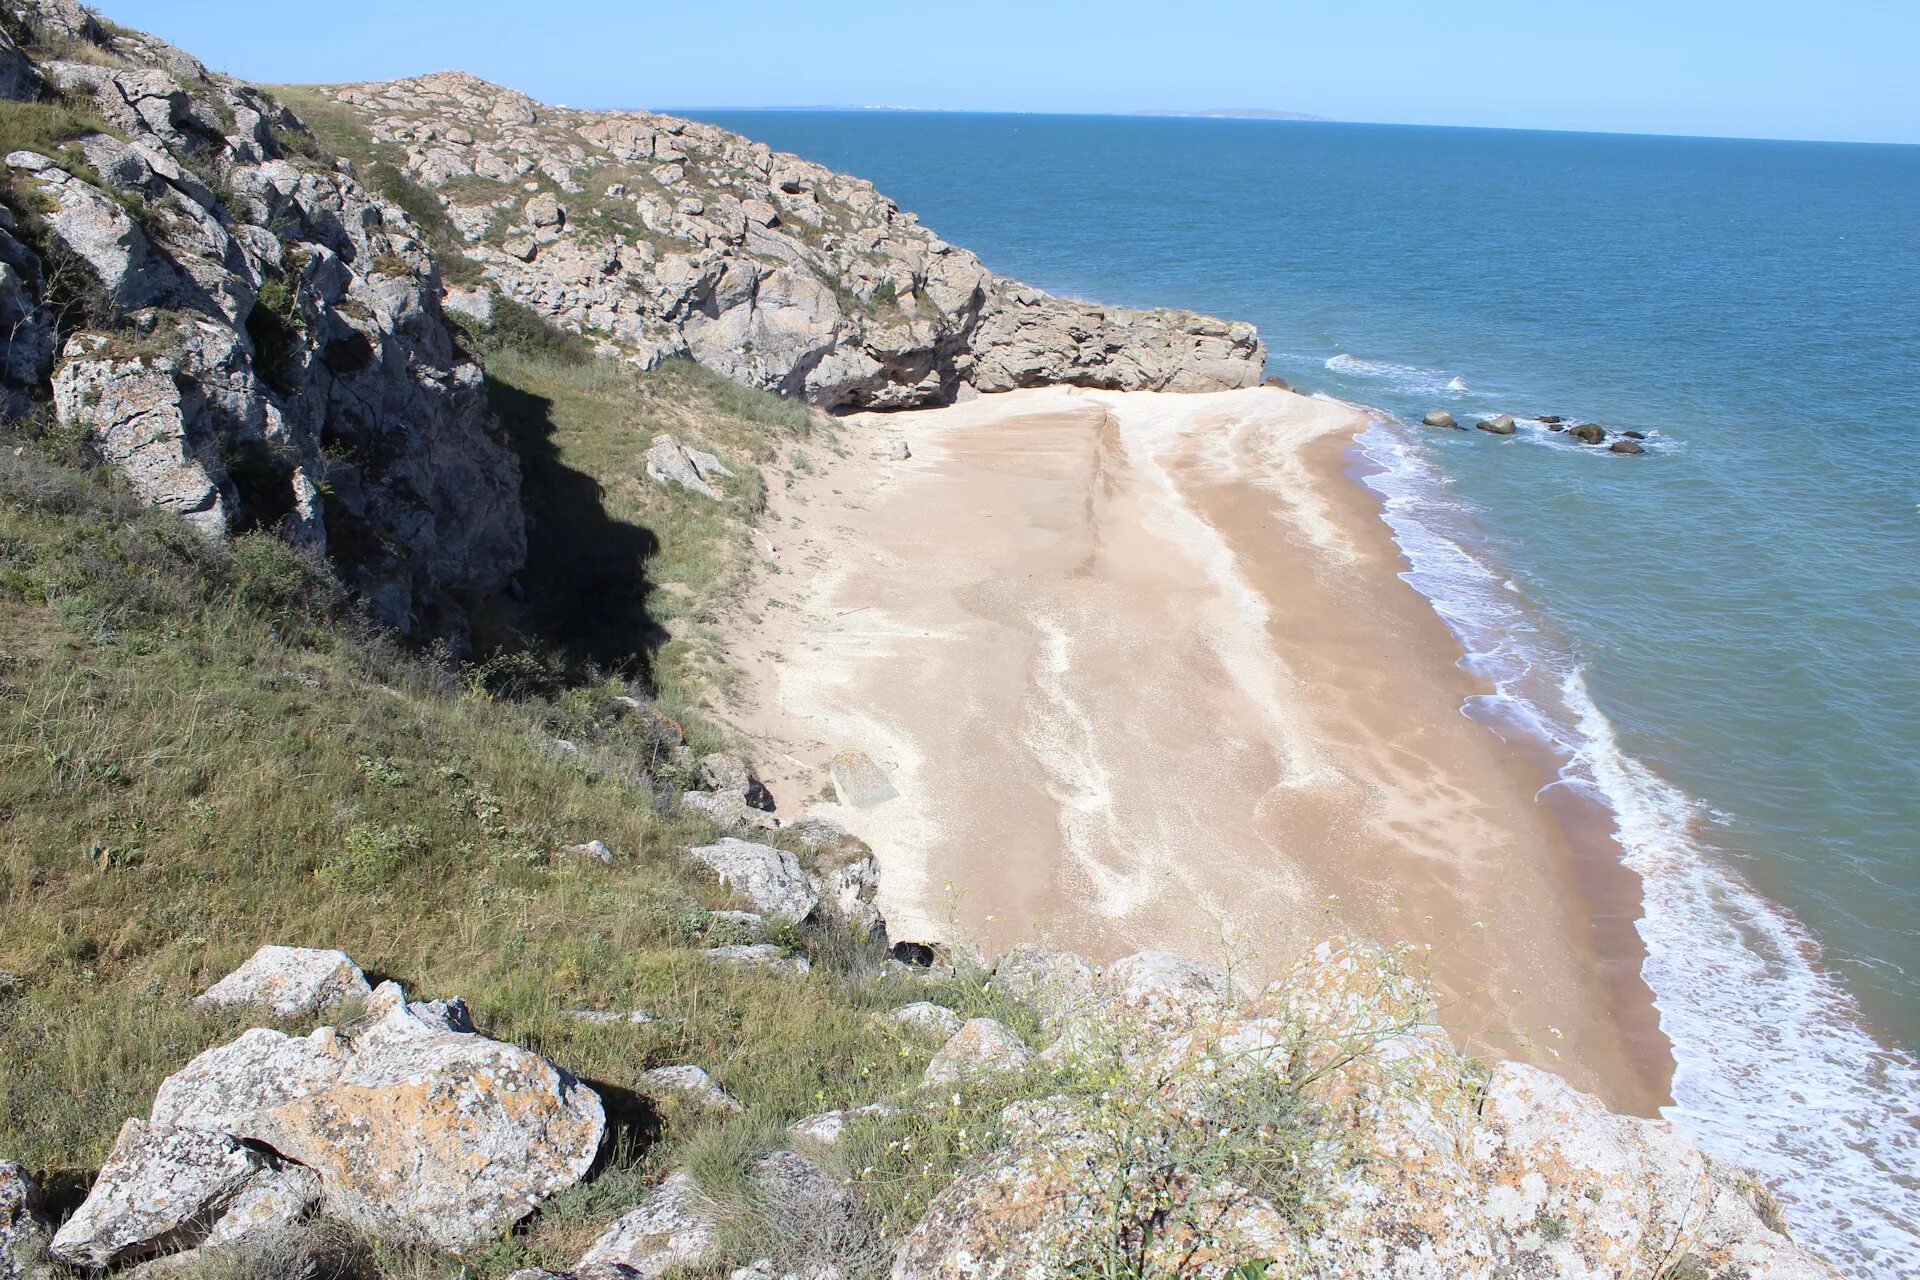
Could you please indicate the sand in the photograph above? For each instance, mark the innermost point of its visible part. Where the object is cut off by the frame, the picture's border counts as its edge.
(1143, 674)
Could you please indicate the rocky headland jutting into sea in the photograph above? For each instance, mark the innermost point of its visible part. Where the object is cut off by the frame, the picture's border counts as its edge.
(211, 315)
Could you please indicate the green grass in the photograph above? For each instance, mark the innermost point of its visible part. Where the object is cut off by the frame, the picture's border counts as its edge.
(603, 537)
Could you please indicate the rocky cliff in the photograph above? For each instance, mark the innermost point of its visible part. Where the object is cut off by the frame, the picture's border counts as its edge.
(667, 237)
(234, 322)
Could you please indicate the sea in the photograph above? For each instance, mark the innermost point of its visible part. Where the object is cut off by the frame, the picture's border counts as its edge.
(1720, 636)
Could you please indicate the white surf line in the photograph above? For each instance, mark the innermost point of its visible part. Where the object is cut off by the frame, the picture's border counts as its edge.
(1774, 1068)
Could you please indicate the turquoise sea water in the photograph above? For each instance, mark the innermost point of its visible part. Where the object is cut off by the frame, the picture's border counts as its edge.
(1724, 636)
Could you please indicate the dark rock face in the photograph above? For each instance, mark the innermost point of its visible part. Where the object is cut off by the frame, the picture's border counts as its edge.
(918, 954)
(1626, 446)
(1588, 433)
(266, 347)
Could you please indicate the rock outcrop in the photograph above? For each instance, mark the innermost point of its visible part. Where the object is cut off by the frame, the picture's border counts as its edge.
(253, 337)
(665, 237)
(1326, 1126)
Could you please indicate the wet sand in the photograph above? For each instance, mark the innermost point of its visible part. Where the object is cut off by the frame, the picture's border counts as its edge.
(1143, 673)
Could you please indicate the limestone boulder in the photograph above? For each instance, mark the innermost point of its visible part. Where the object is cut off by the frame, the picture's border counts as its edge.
(161, 1189)
(764, 956)
(289, 982)
(927, 1018)
(690, 1087)
(770, 880)
(433, 1134)
(677, 1225)
(670, 462)
(982, 1047)
(23, 1226)
(1057, 985)
(259, 1070)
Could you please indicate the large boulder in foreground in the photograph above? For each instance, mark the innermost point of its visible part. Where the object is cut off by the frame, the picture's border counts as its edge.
(436, 1136)
(409, 1126)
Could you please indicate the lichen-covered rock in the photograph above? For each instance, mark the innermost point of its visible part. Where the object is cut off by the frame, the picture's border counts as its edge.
(1057, 985)
(23, 1228)
(289, 982)
(828, 1127)
(675, 1226)
(847, 894)
(772, 271)
(759, 955)
(161, 1189)
(1161, 987)
(691, 1087)
(433, 1134)
(264, 1231)
(260, 1069)
(927, 1017)
(769, 879)
(981, 1047)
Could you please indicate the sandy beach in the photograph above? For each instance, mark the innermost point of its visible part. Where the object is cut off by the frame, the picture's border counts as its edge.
(1142, 672)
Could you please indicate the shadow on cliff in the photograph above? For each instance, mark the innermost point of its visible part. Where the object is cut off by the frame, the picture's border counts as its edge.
(585, 582)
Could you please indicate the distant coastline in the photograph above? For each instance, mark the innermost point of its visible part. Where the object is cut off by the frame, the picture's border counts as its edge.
(1212, 113)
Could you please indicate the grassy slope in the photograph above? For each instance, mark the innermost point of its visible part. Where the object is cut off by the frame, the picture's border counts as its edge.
(202, 751)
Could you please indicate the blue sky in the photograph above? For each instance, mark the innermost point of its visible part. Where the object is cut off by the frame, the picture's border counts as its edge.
(1839, 69)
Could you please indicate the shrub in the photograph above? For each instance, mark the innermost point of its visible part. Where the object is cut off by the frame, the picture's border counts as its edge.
(518, 327)
(275, 581)
(371, 857)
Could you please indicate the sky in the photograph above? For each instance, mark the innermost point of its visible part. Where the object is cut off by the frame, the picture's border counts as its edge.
(1845, 70)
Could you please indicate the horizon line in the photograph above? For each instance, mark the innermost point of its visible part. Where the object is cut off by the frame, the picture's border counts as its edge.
(1230, 116)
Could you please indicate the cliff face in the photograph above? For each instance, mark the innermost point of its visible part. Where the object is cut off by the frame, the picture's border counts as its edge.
(252, 337)
(667, 237)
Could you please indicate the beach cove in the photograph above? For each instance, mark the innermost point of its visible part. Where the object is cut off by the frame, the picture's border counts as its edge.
(1143, 672)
